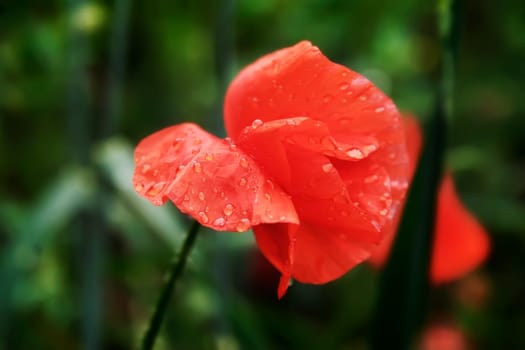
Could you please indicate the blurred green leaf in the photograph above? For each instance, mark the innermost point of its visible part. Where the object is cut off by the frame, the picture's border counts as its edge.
(465, 158)
(54, 209)
(500, 213)
(115, 157)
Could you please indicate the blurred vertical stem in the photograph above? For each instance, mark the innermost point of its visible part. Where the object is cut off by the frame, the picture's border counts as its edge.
(87, 225)
(404, 286)
(223, 57)
(448, 15)
(167, 290)
(118, 45)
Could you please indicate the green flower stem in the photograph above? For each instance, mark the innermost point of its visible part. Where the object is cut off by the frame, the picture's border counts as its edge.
(449, 21)
(175, 273)
(404, 285)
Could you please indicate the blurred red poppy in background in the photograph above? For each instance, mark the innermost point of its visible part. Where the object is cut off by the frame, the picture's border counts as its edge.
(460, 242)
(443, 337)
(316, 164)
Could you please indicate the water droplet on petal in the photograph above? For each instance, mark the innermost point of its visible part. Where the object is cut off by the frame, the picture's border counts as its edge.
(155, 190)
(369, 148)
(344, 213)
(327, 167)
(355, 153)
(197, 141)
(243, 162)
(197, 167)
(275, 64)
(209, 157)
(145, 168)
(270, 184)
(139, 187)
(268, 196)
(344, 74)
(269, 214)
(362, 98)
(201, 196)
(343, 86)
(371, 178)
(219, 222)
(282, 218)
(204, 217)
(327, 98)
(344, 100)
(243, 182)
(376, 225)
(383, 212)
(243, 225)
(313, 140)
(228, 209)
(257, 123)
(344, 121)
(291, 141)
(176, 144)
(380, 109)
(255, 99)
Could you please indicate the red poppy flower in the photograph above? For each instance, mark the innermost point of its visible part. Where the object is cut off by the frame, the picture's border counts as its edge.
(316, 164)
(443, 337)
(460, 242)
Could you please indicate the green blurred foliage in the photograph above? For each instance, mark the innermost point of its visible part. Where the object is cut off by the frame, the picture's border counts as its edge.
(75, 239)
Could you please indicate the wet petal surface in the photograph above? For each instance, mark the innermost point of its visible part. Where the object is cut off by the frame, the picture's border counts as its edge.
(300, 81)
(344, 203)
(209, 179)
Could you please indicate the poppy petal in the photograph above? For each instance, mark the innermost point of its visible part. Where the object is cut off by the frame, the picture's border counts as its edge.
(319, 254)
(277, 243)
(344, 203)
(308, 168)
(208, 178)
(267, 143)
(300, 81)
(461, 243)
(414, 141)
